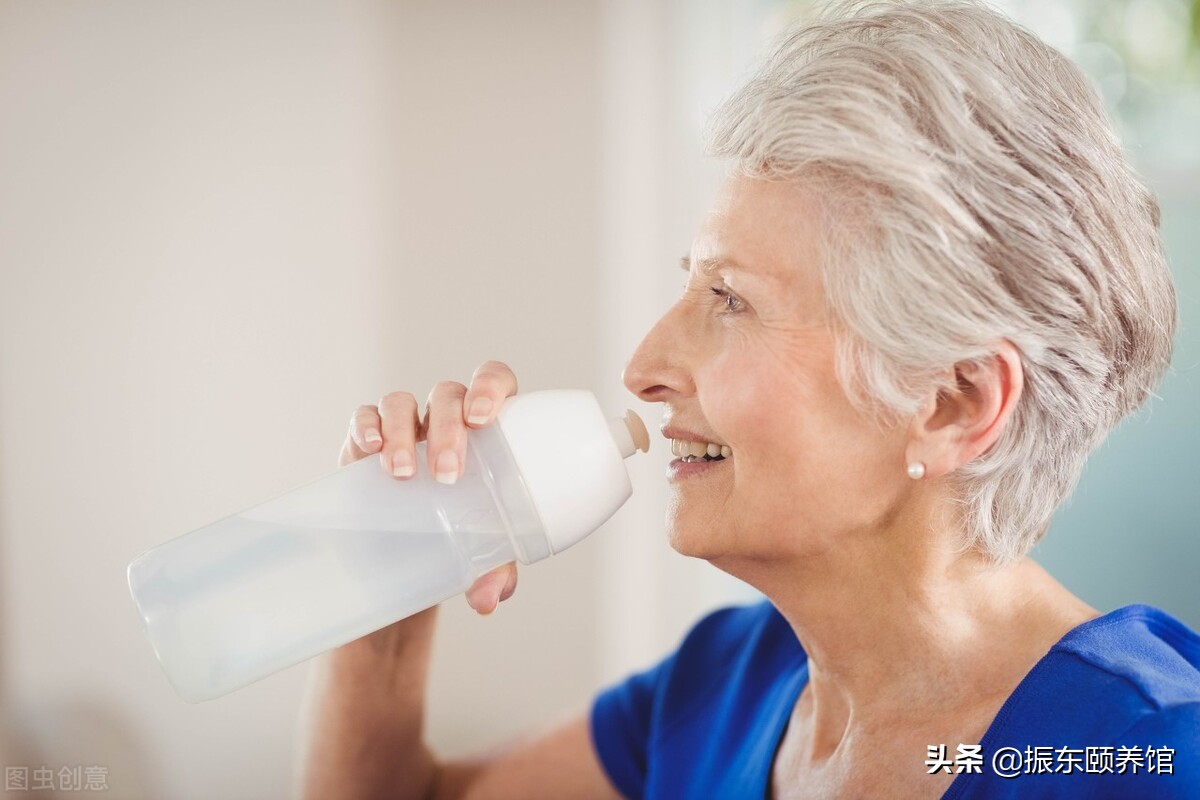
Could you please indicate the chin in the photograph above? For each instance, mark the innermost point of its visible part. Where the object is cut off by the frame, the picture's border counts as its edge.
(689, 536)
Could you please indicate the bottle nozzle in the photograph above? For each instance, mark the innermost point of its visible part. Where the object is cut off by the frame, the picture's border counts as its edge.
(630, 434)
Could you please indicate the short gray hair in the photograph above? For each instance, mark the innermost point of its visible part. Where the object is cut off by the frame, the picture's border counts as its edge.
(974, 190)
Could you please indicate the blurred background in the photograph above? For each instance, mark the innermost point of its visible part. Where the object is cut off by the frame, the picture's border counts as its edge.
(225, 225)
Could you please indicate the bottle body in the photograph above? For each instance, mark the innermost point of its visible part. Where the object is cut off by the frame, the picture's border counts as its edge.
(327, 563)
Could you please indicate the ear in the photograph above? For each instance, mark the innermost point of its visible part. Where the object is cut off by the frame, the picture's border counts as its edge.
(959, 424)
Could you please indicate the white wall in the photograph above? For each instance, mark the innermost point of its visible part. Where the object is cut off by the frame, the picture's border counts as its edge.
(222, 227)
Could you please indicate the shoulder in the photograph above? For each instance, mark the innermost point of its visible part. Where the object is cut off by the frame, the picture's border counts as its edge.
(1134, 669)
(729, 661)
(739, 637)
(1142, 650)
(733, 650)
(1157, 657)
(1111, 711)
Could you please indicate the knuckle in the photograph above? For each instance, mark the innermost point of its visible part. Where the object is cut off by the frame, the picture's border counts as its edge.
(448, 389)
(493, 378)
(397, 400)
(495, 375)
(485, 383)
(492, 368)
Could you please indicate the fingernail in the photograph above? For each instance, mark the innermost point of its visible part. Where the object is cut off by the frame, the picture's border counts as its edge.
(402, 464)
(480, 408)
(372, 436)
(446, 469)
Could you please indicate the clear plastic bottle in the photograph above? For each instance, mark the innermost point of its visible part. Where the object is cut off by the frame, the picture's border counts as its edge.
(356, 550)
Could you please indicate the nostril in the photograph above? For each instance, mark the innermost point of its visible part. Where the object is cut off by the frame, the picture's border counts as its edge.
(654, 394)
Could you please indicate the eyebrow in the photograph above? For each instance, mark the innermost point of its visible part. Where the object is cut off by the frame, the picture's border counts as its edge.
(708, 266)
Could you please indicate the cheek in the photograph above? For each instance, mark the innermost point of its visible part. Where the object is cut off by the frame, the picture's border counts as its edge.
(763, 400)
(807, 456)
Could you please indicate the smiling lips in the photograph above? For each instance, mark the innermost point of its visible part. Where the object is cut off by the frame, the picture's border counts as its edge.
(694, 451)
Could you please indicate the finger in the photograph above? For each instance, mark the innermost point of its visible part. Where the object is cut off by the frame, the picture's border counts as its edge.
(490, 385)
(363, 437)
(510, 585)
(492, 587)
(445, 431)
(365, 429)
(398, 417)
(349, 452)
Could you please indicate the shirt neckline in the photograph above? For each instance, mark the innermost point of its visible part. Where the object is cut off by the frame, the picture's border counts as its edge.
(799, 680)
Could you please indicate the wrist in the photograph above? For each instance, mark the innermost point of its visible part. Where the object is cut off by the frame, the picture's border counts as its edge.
(398, 653)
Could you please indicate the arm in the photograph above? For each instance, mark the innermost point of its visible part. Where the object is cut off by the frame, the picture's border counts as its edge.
(361, 734)
(557, 764)
(360, 728)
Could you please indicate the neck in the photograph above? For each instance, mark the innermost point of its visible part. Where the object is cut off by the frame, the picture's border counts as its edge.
(897, 622)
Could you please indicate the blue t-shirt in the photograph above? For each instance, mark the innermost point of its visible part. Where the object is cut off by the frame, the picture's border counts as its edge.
(1114, 707)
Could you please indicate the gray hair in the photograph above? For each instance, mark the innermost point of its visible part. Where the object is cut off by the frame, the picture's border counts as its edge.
(974, 190)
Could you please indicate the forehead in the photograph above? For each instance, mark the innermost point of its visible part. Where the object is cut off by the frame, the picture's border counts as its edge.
(767, 230)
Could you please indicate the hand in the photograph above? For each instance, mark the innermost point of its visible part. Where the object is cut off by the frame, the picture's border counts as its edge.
(392, 429)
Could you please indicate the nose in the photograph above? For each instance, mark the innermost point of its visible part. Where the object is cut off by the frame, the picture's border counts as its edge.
(658, 371)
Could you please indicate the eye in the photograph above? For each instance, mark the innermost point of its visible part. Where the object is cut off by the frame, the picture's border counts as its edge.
(732, 303)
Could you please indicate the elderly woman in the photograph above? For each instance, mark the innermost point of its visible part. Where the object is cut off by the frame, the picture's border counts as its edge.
(928, 287)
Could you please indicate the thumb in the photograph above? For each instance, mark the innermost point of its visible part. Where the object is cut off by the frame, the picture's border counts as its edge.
(492, 587)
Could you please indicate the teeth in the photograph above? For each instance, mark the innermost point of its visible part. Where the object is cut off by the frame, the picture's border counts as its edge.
(691, 451)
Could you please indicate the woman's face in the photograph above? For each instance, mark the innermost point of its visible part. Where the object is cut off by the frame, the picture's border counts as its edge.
(745, 358)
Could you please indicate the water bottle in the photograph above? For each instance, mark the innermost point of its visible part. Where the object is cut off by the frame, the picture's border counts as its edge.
(356, 550)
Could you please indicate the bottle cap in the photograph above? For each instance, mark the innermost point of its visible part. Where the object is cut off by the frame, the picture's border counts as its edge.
(571, 458)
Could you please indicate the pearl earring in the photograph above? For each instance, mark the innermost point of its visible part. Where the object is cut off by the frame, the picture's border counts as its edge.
(916, 470)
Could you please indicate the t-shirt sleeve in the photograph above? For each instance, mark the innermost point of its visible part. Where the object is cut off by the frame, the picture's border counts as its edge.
(1171, 733)
(629, 718)
(620, 723)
